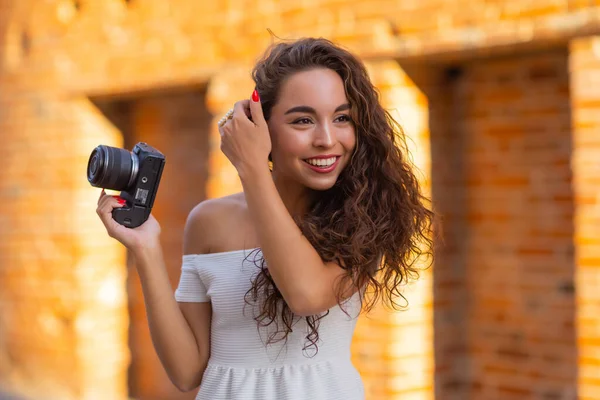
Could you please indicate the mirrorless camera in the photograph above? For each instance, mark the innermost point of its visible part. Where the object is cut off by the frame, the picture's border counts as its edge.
(135, 173)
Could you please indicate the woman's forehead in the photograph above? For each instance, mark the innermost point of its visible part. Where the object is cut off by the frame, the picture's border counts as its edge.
(316, 88)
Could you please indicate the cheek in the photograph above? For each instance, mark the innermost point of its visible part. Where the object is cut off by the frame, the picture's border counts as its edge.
(347, 139)
(290, 142)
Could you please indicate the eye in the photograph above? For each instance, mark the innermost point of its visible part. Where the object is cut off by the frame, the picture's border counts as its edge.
(302, 121)
(344, 118)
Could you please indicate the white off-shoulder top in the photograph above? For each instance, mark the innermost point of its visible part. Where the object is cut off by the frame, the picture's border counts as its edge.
(241, 365)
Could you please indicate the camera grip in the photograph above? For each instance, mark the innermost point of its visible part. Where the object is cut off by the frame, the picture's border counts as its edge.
(131, 217)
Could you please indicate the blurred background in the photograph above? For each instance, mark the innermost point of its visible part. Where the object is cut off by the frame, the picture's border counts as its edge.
(500, 101)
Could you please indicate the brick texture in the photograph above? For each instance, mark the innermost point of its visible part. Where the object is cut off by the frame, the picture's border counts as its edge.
(585, 102)
(504, 300)
(511, 120)
(499, 99)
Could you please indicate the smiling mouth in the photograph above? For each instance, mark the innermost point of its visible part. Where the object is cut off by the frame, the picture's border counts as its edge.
(322, 162)
(323, 165)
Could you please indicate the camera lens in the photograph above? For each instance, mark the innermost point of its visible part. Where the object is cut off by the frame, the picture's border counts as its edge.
(112, 168)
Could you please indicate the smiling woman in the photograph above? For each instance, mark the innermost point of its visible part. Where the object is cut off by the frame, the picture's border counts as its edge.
(334, 227)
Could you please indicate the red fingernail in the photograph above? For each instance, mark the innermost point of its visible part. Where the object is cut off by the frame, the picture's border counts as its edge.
(255, 96)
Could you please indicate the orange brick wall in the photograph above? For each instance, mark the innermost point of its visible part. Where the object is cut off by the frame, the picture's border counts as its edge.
(450, 297)
(504, 300)
(584, 66)
(512, 119)
(63, 307)
(65, 298)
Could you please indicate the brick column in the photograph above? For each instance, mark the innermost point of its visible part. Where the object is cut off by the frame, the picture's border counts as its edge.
(584, 66)
(392, 350)
(63, 308)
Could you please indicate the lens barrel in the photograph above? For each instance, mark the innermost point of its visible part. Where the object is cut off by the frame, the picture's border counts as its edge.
(112, 168)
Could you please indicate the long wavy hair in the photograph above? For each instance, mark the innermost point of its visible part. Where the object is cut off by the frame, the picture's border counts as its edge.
(374, 222)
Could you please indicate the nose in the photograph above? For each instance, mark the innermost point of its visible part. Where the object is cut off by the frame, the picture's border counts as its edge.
(324, 136)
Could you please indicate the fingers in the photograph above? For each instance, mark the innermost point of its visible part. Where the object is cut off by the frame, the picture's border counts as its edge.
(242, 113)
(256, 109)
(102, 194)
(106, 204)
(242, 109)
(111, 199)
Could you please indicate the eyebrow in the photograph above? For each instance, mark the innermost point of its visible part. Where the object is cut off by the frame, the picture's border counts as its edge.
(310, 110)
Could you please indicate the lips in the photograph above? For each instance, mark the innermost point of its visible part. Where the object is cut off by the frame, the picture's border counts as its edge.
(325, 164)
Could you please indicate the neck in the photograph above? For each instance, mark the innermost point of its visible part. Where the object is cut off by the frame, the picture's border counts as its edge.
(295, 196)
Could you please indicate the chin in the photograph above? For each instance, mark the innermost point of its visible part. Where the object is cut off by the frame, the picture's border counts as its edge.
(322, 184)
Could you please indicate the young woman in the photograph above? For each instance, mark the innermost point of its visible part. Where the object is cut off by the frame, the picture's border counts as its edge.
(331, 220)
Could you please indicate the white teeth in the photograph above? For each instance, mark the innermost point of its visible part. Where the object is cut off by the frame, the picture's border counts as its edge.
(321, 162)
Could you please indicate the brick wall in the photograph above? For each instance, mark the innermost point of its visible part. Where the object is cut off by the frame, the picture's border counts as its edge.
(514, 119)
(186, 41)
(508, 264)
(501, 180)
(450, 295)
(584, 68)
(63, 309)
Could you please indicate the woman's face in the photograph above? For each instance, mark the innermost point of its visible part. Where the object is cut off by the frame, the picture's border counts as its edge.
(311, 131)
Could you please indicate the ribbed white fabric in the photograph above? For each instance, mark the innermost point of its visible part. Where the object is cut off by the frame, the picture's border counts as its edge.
(241, 366)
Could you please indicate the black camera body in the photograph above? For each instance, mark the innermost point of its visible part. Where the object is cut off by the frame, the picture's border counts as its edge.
(136, 174)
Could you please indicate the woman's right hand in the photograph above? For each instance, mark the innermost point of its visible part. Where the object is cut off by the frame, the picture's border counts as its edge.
(146, 235)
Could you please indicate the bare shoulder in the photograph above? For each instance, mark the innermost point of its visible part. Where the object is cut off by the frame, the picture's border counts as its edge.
(213, 225)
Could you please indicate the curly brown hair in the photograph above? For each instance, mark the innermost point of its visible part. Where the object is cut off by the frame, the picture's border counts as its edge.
(375, 221)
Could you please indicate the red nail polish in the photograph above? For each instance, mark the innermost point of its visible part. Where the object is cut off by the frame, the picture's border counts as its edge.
(255, 96)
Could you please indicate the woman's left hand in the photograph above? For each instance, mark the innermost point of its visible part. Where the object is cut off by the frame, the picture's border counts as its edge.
(246, 142)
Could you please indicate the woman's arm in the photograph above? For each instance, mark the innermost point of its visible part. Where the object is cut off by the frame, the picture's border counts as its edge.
(180, 333)
(308, 285)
